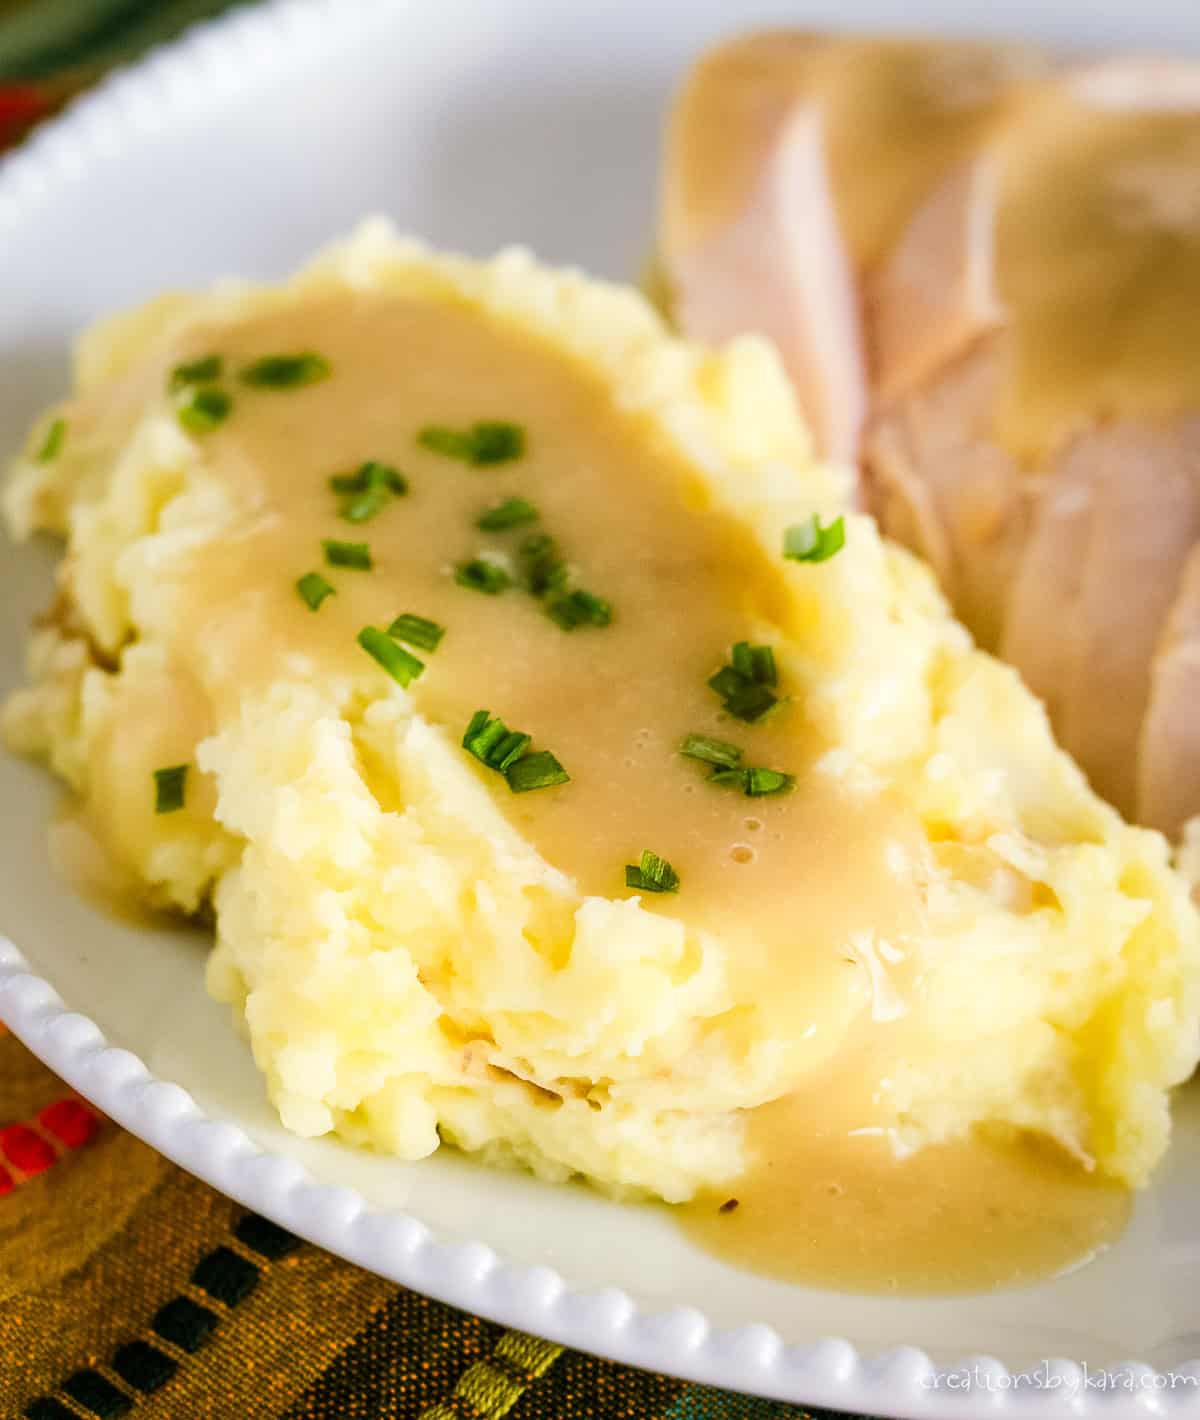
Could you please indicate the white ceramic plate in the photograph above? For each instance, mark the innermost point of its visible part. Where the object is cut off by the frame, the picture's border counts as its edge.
(474, 123)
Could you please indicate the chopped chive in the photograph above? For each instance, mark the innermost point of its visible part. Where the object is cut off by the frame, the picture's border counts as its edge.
(493, 743)
(488, 441)
(368, 490)
(313, 588)
(368, 476)
(731, 778)
(810, 542)
(726, 682)
(754, 783)
(482, 576)
(401, 665)
(579, 608)
(710, 751)
(170, 789)
(495, 441)
(286, 372)
(744, 685)
(195, 372)
(539, 770)
(204, 410)
(756, 663)
(750, 702)
(507, 751)
(512, 513)
(760, 782)
(53, 442)
(362, 507)
(417, 631)
(450, 442)
(542, 569)
(347, 554)
(652, 874)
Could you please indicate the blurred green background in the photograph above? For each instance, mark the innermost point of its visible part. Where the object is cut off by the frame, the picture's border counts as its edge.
(40, 38)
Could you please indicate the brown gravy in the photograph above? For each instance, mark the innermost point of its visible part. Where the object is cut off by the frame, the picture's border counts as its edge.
(899, 113)
(827, 1208)
(1098, 267)
(791, 883)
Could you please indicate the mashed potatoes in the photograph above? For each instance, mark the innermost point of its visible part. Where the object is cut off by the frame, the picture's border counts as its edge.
(940, 918)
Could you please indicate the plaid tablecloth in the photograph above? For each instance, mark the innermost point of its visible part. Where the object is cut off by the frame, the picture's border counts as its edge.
(129, 1288)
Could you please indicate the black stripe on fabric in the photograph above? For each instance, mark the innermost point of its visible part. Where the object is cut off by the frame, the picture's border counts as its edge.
(408, 1356)
(47, 1408)
(226, 1276)
(268, 1239)
(90, 1389)
(143, 1366)
(184, 1323)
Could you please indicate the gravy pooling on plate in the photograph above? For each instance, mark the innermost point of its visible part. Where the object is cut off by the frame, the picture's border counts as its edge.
(319, 535)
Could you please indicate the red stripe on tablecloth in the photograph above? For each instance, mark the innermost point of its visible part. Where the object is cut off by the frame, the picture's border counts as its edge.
(31, 1147)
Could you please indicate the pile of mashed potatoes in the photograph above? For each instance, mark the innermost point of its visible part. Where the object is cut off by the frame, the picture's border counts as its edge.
(412, 957)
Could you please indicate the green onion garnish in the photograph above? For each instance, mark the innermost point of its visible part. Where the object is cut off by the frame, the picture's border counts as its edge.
(170, 789)
(539, 770)
(542, 569)
(313, 588)
(507, 751)
(417, 631)
(760, 782)
(482, 576)
(53, 442)
(367, 475)
(440, 440)
(493, 743)
(810, 542)
(744, 686)
(727, 682)
(195, 372)
(750, 703)
(368, 490)
(485, 442)
(401, 665)
(579, 608)
(652, 874)
(204, 410)
(286, 372)
(347, 554)
(755, 663)
(496, 442)
(754, 783)
(509, 514)
(710, 751)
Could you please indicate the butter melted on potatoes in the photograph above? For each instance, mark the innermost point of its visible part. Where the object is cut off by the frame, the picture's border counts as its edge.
(432, 620)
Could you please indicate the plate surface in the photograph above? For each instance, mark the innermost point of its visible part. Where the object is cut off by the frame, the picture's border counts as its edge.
(473, 123)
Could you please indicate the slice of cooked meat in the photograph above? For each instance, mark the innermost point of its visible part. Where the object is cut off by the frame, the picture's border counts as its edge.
(936, 293)
(941, 485)
(1144, 523)
(781, 258)
(1169, 758)
(1039, 632)
(792, 163)
(1065, 261)
(749, 238)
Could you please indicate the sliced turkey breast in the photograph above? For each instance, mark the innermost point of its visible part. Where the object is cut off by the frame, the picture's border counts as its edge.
(1169, 758)
(792, 162)
(1006, 254)
(939, 483)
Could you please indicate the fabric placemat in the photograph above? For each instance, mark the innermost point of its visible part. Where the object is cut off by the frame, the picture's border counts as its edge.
(127, 1287)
